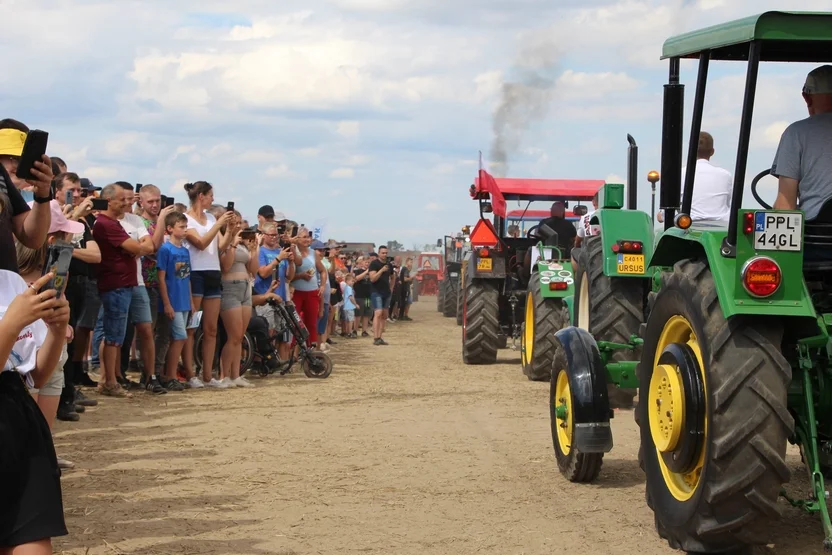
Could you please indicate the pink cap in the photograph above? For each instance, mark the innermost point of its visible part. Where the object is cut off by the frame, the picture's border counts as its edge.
(59, 221)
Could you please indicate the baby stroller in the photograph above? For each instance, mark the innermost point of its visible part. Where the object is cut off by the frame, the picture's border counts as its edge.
(315, 364)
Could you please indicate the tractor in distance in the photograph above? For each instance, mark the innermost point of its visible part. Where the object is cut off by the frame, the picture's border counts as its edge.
(735, 351)
(453, 248)
(429, 273)
(501, 268)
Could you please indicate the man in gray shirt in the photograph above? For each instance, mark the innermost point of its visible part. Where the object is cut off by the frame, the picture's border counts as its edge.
(803, 162)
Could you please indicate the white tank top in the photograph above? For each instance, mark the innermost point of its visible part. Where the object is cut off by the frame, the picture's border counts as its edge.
(209, 259)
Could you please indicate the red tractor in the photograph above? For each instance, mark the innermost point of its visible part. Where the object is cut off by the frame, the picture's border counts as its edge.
(429, 272)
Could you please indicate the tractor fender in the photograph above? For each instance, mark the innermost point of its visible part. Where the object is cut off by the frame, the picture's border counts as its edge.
(588, 385)
(623, 225)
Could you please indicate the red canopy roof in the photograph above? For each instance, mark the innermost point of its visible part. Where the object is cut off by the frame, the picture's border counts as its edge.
(536, 215)
(578, 189)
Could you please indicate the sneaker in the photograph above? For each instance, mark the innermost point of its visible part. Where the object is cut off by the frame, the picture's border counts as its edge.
(381, 341)
(407, 319)
(153, 386)
(83, 400)
(216, 384)
(242, 382)
(113, 390)
(324, 348)
(86, 381)
(228, 382)
(127, 384)
(80, 409)
(353, 335)
(172, 385)
(134, 366)
(64, 464)
(67, 413)
(196, 383)
(365, 334)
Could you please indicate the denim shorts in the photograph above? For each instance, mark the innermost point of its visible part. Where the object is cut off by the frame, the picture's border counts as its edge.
(140, 306)
(178, 329)
(91, 307)
(349, 314)
(116, 305)
(206, 284)
(380, 301)
(235, 293)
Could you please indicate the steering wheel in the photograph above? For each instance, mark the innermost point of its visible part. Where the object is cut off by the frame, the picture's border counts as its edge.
(532, 232)
(754, 193)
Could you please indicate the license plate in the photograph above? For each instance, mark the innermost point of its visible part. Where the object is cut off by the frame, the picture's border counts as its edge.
(630, 263)
(454, 274)
(484, 265)
(775, 231)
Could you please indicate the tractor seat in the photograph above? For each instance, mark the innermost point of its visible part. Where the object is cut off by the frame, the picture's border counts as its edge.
(817, 245)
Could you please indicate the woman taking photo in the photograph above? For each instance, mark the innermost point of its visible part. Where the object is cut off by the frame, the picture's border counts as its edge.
(308, 289)
(204, 245)
(238, 262)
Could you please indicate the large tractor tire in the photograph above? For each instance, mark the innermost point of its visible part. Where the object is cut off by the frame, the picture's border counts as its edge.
(611, 309)
(712, 417)
(440, 295)
(450, 298)
(544, 318)
(480, 323)
(459, 296)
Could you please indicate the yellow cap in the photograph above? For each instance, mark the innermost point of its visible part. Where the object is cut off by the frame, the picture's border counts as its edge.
(11, 142)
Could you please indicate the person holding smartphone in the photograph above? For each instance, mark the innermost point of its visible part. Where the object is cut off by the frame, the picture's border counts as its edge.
(17, 219)
(381, 272)
(275, 264)
(204, 244)
(310, 284)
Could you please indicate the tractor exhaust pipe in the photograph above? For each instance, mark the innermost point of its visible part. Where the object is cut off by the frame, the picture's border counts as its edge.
(632, 173)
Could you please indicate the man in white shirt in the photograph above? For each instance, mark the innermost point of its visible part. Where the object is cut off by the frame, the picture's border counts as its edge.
(712, 186)
(585, 230)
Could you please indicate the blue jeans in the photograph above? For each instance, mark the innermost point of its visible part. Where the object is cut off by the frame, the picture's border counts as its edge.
(380, 301)
(97, 337)
(116, 308)
(323, 320)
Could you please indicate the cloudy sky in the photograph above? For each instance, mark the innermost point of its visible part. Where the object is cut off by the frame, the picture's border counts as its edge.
(366, 114)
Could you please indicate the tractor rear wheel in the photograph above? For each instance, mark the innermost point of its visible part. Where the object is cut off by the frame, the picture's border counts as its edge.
(449, 299)
(480, 323)
(459, 295)
(544, 318)
(713, 418)
(610, 308)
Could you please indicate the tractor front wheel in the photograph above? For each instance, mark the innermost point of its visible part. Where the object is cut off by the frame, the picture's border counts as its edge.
(544, 318)
(440, 295)
(712, 417)
(480, 323)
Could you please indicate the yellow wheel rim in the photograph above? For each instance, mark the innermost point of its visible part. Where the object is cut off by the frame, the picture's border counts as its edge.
(563, 410)
(583, 308)
(666, 408)
(528, 333)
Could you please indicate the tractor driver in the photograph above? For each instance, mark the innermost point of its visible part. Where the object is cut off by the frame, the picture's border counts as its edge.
(803, 162)
(563, 227)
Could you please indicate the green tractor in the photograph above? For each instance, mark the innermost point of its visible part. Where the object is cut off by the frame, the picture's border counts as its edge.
(734, 355)
(501, 276)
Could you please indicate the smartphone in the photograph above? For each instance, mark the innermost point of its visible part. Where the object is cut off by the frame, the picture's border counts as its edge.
(294, 232)
(167, 201)
(33, 150)
(138, 187)
(248, 234)
(58, 258)
(68, 197)
(230, 207)
(100, 204)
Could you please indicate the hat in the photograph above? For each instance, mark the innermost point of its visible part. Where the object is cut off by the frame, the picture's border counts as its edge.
(87, 185)
(11, 142)
(819, 81)
(317, 245)
(59, 221)
(333, 244)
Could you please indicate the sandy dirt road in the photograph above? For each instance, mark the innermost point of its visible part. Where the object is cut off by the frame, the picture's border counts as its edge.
(402, 451)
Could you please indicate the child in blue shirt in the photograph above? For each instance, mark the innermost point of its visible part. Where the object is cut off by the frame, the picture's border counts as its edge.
(349, 306)
(174, 265)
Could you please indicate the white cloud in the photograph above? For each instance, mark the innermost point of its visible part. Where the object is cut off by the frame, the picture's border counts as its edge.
(358, 160)
(614, 178)
(581, 85)
(773, 132)
(279, 171)
(348, 129)
(100, 172)
(342, 173)
(308, 152)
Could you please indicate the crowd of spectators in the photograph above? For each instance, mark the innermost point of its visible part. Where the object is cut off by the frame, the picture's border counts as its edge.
(151, 276)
